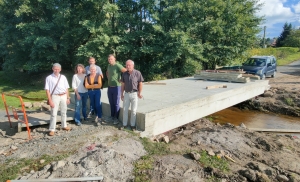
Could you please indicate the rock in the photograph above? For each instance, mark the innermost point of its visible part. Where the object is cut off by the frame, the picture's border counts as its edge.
(229, 125)
(159, 138)
(242, 125)
(14, 147)
(42, 161)
(32, 171)
(187, 132)
(211, 152)
(199, 142)
(268, 94)
(28, 104)
(282, 178)
(2, 132)
(46, 107)
(58, 164)
(249, 174)
(37, 104)
(262, 177)
(220, 154)
(195, 155)
(166, 139)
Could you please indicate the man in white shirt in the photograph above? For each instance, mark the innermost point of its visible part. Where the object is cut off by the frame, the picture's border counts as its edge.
(58, 94)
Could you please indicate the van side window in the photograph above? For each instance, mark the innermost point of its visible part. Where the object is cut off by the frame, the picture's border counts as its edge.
(268, 61)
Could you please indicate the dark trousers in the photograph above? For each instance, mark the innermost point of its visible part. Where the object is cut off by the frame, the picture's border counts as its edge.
(95, 96)
(114, 94)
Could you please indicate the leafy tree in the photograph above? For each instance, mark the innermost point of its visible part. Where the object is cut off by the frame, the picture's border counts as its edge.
(285, 32)
(293, 40)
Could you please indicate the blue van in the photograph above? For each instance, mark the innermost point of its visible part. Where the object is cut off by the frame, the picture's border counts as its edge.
(262, 66)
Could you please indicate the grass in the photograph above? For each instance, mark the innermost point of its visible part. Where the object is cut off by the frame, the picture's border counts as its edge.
(213, 162)
(289, 101)
(11, 169)
(143, 166)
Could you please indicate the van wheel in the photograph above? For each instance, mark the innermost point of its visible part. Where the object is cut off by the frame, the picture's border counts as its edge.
(263, 77)
(273, 76)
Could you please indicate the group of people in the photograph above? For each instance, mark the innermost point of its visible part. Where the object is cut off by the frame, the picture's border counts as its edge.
(123, 83)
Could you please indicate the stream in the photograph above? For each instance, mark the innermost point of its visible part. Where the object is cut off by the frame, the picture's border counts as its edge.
(256, 119)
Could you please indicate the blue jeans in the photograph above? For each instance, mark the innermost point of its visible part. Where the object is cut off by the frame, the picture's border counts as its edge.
(95, 96)
(114, 95)
(80, 105)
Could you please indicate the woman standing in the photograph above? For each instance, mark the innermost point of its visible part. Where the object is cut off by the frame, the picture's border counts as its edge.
(80, 93)
(93, 82)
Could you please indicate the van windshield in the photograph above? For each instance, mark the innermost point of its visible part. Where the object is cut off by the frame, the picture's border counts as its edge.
(255, 62)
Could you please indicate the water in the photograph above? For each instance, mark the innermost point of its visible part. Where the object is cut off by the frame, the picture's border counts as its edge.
(256, 119)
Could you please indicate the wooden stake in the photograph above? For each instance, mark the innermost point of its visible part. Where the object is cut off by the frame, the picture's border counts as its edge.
(216, 86)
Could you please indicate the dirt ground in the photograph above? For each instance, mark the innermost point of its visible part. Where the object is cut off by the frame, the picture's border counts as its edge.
(199, 151)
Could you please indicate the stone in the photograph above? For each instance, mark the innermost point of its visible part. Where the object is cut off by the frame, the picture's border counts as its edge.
(46, 107)
(14, 147)
(42, 161)
(28, 104)
(282, 178)
(187, 132)
(242, 125)
(211, 152)
(262, 177)
(195, 155)
(166, 139)
(268, 94)
(57, 165)
(249, 174)
(32, 171)
(199, 142)
(37, 104)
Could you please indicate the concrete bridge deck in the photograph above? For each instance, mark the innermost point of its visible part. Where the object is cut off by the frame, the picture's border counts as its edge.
(174, 103)
(184, 100)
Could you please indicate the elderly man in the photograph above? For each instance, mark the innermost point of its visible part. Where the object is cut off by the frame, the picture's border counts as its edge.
(113, 74)
(132, 85)
(58, 95)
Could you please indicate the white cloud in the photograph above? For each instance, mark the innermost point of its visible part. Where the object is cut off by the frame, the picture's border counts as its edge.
(296, 8)
(274, 12)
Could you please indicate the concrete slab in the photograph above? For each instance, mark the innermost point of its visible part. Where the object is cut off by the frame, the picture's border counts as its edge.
(174, 103)
(184, 100)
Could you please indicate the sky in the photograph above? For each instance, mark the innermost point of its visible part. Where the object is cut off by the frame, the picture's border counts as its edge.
(278, 12)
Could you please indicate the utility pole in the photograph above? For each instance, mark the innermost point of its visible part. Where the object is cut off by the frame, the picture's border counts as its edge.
(264, 38)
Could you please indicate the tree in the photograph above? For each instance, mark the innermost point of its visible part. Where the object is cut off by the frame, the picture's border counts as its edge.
(285, 32)
(293, 40)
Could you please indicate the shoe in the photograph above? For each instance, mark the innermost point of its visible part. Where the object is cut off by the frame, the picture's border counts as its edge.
(78, 123)
(51, 133)
(133, 128)
(101, 121)
(96, 119)
(67, 128)
(116, 121)
(86, 119)
(121, 128)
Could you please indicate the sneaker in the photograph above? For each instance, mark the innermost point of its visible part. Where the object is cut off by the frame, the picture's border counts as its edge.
(133, 128)
(78, 123)
(122, 128)
(116, 121)
(96, 119)
(51, 133)
(67, 128)
(86, 119)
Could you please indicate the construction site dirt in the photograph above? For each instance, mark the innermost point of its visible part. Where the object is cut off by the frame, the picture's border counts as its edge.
(199, 151)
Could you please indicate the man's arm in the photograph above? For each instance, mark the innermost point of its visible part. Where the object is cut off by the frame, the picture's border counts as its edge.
(68, 96)
(123, 70)
(140, 90)
(49, 98)
(122, 90)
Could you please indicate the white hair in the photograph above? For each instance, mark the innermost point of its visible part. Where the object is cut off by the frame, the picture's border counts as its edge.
(56, 65)
(129, 60)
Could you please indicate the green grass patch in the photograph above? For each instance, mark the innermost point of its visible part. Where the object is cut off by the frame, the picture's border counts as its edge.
(213, 162)
(11, 169)
(155, 148)
(289, 101)
(142, 168)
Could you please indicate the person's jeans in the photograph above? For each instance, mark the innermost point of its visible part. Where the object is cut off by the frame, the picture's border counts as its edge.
(95, 102)
(80, 105)
(130, 99)
(114, 94)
